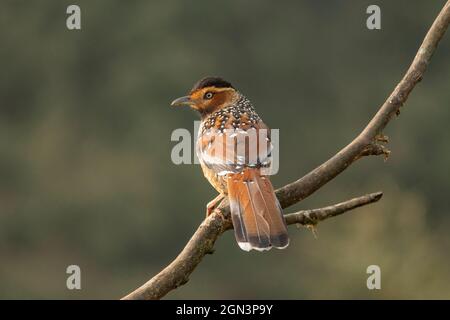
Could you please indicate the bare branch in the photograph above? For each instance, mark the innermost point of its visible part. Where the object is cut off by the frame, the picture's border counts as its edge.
(176, 274)
(305, 186)
(314, 216)
(369, 142)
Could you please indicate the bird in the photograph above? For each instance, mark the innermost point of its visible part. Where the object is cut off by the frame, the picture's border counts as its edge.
(230, 131)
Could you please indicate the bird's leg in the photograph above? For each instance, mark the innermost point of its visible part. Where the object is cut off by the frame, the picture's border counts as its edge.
(213, 203)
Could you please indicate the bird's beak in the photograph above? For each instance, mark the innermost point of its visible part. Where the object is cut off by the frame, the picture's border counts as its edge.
(181, 101)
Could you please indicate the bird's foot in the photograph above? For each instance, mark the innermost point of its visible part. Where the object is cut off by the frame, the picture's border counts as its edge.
(213, 204)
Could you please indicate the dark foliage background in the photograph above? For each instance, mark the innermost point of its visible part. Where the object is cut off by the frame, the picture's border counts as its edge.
(85, 124)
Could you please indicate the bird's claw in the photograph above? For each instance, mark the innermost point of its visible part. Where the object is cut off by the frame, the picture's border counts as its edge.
(213, 204)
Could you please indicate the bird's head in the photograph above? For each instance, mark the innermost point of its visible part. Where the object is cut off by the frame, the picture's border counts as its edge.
(208, 95)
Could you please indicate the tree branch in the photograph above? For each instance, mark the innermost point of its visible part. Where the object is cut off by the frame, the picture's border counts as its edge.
(314, 216)
(176, 274)
(368, 142)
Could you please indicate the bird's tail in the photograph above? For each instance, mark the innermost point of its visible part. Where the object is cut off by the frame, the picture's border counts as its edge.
(256, 213)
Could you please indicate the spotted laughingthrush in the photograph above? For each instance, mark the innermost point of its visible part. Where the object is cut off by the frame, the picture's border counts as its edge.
(234, 150)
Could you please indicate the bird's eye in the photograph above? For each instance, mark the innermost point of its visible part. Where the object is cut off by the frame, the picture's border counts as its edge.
(208, 95)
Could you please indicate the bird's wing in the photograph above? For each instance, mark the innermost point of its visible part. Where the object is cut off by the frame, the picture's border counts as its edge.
(233, 150)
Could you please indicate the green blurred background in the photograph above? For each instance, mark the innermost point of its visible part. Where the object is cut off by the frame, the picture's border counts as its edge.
(85, 171)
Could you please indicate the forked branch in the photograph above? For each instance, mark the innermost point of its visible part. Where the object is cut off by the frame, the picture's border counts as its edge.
(368, 142)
